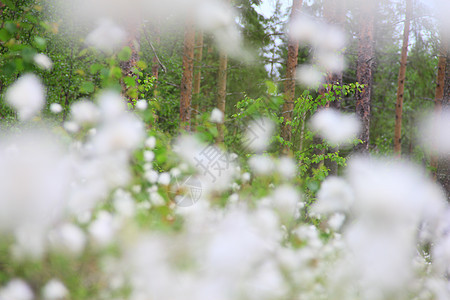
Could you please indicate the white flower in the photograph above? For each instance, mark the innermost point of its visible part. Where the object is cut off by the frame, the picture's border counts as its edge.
(141, 104)
(335, 127)
(286, 167)
(150, 142)
(68, 238)
(434, 134)
(261, 164)
(216, 116)
(246, 177)
(27, 96)
(258, 134)
(151, 176)
(71, 126)
(56, 108)
(107, 36)
(285, 199)
(103, 229)
(331, 61)
(309, 76)
(149, 156)
(84, 112)
(164, 178)
(43, 61)
(16, 289)
(124, 204)
(336, 221)
(54, 290)
(335, 195)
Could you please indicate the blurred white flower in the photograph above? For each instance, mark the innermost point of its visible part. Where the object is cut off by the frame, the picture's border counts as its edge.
(286, 167)
(124, 204)
(336, 221)
(27, 96)
(16, 289)
(149, 156)
(335, 127)
(151, 176)
(54, 290)
(309, 76)
(261, 164)
(258, 134)
(56, 108)
(216, 116)
(164, 178)
(68, 238)
(103, 229)
(107, 36)
(335, 195)
(150, 142)
(285, 200)
(304, 29)
(141, 104)
(330, 61)
(434, 133)
(71, 126)
(43, 61)
(84, 112)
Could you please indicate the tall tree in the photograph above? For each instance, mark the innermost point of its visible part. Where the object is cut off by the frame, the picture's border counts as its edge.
(401, 81)
(186, 80)
(197, 71)
(289, 81)
(128, 66)
(221, 92)
(334, 13)
(364, 70)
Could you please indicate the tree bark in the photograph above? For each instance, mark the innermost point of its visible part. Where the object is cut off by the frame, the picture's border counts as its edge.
(364, 70)
(334, 13)
(129, 66)
(186, 80)
(401, 82)
(289, 82)
(221, 92)
(443, 169)
(155, 60)
(197, 71)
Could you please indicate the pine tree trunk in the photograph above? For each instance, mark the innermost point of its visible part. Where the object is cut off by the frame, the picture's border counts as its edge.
(443, 170)
(186, 80)
(364, 70)
(401, 82)
(129, 66)
(155, 60)
(197, 72)
(221, 92)
(289, 82)
(334, 13)
(439, 93)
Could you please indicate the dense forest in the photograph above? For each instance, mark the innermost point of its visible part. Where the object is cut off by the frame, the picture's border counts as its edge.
(224, 149)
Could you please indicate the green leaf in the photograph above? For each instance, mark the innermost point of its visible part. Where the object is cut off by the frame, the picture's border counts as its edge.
(271, 87)
(28, 54)
(130, 81)
(141, 65)
(10, 4)
(40, 42)
(87, 87)
(4, 35)
(11, 27)
(95, 68)
(124, 54)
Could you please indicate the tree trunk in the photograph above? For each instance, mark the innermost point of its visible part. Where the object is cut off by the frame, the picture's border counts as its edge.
(289, 82)
(221, 92)
(186, 80)
(129, 66)
(401, 82)
(439, 94)
(197, 72)
(155, 60)
(364, 70)
(334, 13)
(443, 169)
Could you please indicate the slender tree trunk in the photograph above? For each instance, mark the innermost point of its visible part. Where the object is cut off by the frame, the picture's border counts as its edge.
(364, 70)
(221, 92)
(334, 13)
(186, 80)
(289, 82)
(443, 168)
(129, 65)
(155, 60)
(439, 94)
(401, 82)
(197, 72)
